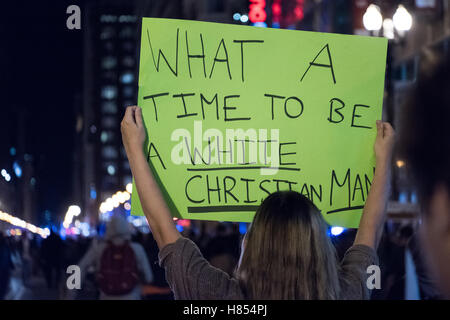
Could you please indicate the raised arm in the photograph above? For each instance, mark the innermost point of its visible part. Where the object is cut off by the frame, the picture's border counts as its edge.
(154, 206)
(372, 220)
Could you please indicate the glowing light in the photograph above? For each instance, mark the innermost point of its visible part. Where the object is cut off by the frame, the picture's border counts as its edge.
(111, 170)
(388, 28)
(402, 19)
(260, 24)
(72, 211)
(244, 18)
(400, 163)
(257, 12)
(129, 187)
(17, 169)
(120, 197)
(22, 224)
(237, 16)
(335, 231)
(372, 18)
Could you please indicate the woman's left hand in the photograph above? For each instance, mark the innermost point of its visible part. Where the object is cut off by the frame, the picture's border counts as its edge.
(133, 130)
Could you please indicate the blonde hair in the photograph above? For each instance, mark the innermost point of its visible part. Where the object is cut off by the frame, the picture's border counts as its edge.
(288, 254)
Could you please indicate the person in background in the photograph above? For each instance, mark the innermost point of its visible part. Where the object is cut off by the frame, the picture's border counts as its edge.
(52, 255)
(286, 253)
(424, 145)
(219, 250)
(120, 265)
(6, 265)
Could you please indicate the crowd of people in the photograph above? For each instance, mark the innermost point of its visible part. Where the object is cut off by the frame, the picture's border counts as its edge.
(28, 257)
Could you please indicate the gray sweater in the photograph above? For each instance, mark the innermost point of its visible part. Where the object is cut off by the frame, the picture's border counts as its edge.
(191, 277)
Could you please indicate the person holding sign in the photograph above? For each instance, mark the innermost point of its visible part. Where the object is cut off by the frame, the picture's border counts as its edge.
(286, 254)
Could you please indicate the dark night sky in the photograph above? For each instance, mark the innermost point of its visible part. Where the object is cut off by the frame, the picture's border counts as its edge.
(41, 73)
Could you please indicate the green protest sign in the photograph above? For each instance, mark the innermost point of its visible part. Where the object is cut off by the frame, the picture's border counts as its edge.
(234, 113)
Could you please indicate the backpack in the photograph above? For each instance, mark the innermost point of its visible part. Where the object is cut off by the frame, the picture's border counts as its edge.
(118, 274)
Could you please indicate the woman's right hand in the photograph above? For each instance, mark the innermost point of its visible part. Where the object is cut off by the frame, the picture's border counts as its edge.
(133, 131)
(384, 142)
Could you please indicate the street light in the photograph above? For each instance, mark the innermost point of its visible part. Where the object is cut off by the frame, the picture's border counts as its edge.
(372, 18)
(402, 20)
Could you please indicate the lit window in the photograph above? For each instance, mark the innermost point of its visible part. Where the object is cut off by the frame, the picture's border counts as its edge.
(128, 61)
(111, 170)
(109, 122)
(128, 91)
(127, 32)
(109, 92)
(104, 137)
(109, 107)
(109, 62)
(107, 136)
(109, 152)
(107, 33)
(127, 77)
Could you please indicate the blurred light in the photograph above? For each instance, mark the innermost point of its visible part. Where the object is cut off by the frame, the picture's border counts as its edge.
(400, 163)
(4, 172)
(8, 178)
(403, 197)
(179, 228)
(22, 224)
(335, 231)
(183, 222)
(129, 187)
(33, 181)
(120, 197)
(127, 78)
(402, 19)
(257, 11)
(413, 197)
(242, 228)
(237, 16)
(12, 151)
(372, 18)
(388, 28)
(103, 208)
(244, 18)
(93, 193)
(104, 136)
(72, 211)
(137, 222)
(111, 170)
(260, 24)
(17, 169)
(109, 92)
